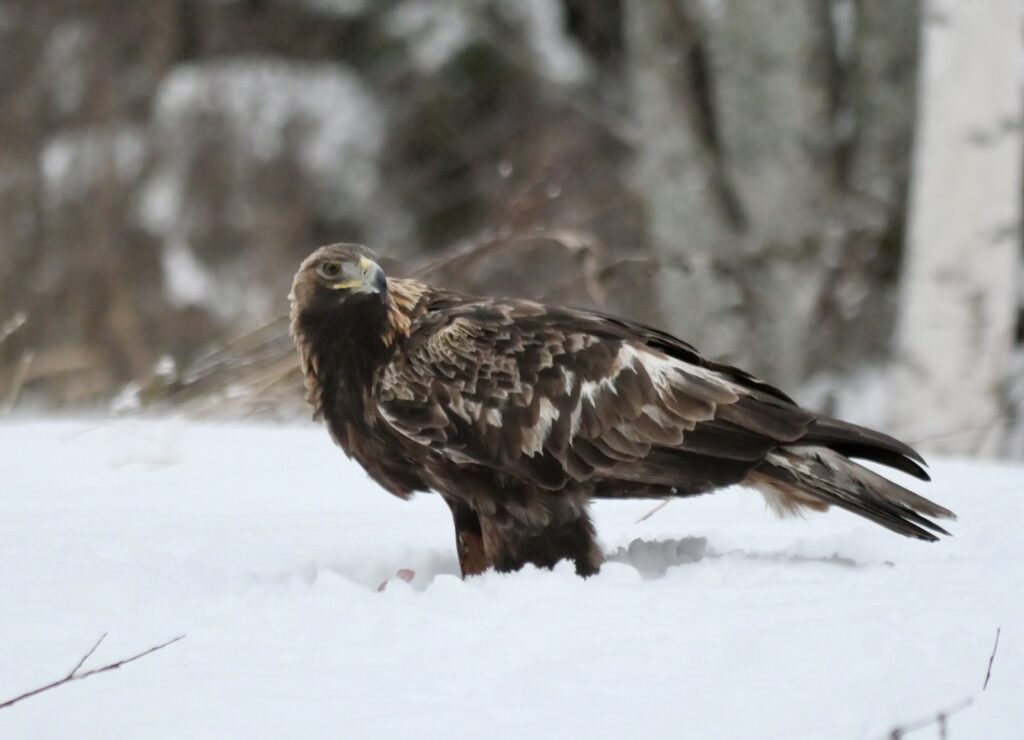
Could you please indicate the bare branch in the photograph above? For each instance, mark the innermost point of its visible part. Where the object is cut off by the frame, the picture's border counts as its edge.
(133, 658)
(73, 671)
(991, 658)
(74, 675)
(653, 511)
(940, 719)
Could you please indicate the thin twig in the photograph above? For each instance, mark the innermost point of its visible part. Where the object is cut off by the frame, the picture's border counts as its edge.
(653, 511)
(939, 719)
(74, 675)
(85, 657)
(991, 658)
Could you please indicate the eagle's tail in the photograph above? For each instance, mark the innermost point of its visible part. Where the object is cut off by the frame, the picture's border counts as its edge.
(817, 475)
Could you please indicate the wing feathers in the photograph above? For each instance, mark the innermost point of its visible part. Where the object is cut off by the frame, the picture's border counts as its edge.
(556, 396)
(832, 432)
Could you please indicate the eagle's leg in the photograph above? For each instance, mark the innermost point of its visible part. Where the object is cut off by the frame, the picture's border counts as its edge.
(469, 541)
(511, 544)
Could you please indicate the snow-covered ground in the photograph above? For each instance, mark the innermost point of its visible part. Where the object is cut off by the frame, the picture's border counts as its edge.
(266, 547)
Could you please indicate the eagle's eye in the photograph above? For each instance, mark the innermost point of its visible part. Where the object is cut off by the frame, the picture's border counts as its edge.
(330, 270)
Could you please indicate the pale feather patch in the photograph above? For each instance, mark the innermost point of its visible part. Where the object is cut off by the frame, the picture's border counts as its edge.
(786, 501)
(534, 437)
(569, 378)
(591, 388)
(403, 296)
(668, 372)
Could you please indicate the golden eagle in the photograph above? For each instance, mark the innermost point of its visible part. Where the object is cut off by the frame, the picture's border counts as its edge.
(518, 414)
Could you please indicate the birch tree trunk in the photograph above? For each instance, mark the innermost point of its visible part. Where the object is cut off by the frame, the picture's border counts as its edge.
(957, 310)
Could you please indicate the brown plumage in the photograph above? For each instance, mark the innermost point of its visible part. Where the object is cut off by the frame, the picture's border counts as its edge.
(518, 414)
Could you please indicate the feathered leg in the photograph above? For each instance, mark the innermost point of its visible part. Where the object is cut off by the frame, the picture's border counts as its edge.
(510, 544)
(469, 541)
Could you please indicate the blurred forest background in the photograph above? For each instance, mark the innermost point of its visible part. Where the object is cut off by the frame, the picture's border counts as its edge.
(826, 192)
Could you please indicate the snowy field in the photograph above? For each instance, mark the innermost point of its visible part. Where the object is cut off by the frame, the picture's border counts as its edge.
(266, 547)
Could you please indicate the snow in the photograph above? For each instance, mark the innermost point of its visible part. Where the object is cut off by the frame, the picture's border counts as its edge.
(187, 282)
(323, 111)
(558, 57)
(435, 32)
(253, 112)
(266, 547)
(74, 162)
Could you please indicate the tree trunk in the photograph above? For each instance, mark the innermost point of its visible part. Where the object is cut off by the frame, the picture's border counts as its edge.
(679, 176)
(739, 167)
(959, 280)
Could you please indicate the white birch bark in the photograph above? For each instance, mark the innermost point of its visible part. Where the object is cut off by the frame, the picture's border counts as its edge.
(955, 327)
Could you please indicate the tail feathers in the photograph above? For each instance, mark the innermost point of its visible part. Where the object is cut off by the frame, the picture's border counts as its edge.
(867, 444)
(794, 478)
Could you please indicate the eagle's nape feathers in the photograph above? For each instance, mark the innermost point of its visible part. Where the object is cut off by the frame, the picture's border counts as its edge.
(519, 413)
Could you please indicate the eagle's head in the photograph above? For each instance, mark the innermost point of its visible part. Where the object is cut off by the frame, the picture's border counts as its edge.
(339, 303)
(338, 277)
(339, 320)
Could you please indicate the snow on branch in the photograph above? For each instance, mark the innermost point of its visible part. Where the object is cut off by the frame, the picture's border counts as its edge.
(74, 675)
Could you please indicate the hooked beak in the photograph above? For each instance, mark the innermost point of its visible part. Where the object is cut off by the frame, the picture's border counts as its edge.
(370, 278)
(373, 278)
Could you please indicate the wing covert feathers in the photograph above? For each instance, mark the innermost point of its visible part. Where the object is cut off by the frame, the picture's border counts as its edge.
(560, 398)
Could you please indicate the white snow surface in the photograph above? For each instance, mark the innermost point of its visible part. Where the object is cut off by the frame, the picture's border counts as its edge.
(266, 547)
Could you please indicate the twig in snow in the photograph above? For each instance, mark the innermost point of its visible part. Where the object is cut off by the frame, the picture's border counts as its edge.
(85, 657)
(992, 657)
(74, 675)
(653, 511)
(939, 719)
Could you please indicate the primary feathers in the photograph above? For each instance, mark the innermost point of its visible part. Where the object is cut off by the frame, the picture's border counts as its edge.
(518, 414)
